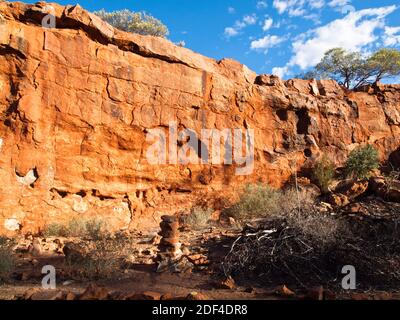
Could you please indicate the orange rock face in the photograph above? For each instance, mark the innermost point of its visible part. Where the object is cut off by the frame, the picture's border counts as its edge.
(77, 102)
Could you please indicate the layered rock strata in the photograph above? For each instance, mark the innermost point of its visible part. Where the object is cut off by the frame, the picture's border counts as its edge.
(78, 101)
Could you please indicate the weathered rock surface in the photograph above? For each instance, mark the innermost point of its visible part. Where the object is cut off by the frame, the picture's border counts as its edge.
(386, 189)
(77, 101)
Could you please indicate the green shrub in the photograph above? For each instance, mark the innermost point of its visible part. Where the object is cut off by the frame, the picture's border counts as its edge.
(198, 217)
(97, 259)
(55, 230)
(323, 173)
(256, 201)
(7, 258)
(292, 199)
(295, 207)
(76, 228)
(92, 228)
(135, 22)
(361, 162)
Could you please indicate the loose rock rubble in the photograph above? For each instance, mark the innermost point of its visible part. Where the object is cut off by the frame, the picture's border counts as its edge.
(94, 292)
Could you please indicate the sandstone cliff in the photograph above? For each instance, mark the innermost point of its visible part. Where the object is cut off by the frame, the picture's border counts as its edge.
(78, 100)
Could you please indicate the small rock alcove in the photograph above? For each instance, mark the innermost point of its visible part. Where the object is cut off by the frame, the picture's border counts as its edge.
(303, 121)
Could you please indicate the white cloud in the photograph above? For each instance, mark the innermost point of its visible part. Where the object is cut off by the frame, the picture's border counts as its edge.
(314, 18)
(281, 5)
(250, 19)
(266, 42)
(267, 24)
(280, 71)
(352, 32)
(297, 12)
(297, 8)
(338, 3)
(392, 36)
(289, 5)
(231, 32)
(231, 10)
(342, 6)
(355, 32)
(261, 5)
(240, 25)
(247, 20)
(317, 4)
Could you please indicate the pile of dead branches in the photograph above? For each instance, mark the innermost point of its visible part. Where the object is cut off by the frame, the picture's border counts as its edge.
(279, 251)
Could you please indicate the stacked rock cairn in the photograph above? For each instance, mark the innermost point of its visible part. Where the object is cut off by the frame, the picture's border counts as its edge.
(169, 247)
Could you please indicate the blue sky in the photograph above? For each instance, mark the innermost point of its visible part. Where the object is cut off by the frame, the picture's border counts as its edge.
(283, 37)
